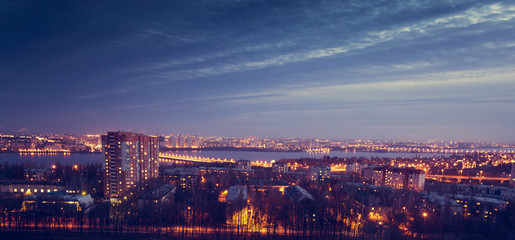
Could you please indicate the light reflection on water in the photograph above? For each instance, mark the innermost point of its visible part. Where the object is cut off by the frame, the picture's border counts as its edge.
(45, 159)
(268, 156)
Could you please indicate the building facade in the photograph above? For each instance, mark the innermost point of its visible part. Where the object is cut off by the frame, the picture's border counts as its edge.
(319, 173)
(244, 164)
(32, 187)
(280, 167)
(152, 200)
(395, 177)
(355, 168)
(373, 175)
(129, 158)
(512, 175)
(69, 204)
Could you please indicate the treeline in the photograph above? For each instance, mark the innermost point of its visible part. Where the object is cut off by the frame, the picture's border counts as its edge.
(339, 210)
(82, 178)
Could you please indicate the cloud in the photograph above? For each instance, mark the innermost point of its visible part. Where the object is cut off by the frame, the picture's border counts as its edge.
(149, 105)
(452, 86)
(169, 36)
(490, 14)
(205, 58)
(108, 93)
(271, 53)
(261, 58)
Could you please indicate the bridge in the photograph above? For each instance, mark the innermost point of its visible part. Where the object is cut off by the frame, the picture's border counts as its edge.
(171, 158)
(460, 178)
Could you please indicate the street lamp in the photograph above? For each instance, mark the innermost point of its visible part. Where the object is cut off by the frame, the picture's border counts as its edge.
(424, 214)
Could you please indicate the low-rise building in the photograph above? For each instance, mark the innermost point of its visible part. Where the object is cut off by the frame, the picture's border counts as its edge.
(37, 174)
(57, 203)
(355, 168)
(280, 167)
(395, 177)
(244, 164)
(298, 194)
(319, 173)
(237, 193)
(262, 185)
(32, 187)
(184, 177)
(470, 206)
(156, 197)
(443, 204)
(373, 175)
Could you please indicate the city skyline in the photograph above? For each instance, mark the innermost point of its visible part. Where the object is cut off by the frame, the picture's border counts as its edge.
(27, 133)
(374, 70)
(135, 188)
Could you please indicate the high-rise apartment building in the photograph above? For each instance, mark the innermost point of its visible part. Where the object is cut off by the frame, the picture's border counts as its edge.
(189, 141)
(129, 158)
(173, 141)
(181, 141)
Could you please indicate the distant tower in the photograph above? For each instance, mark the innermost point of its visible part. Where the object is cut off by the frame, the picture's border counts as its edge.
(129, 158)
(196, 141)
(173, 141)
(162, 141)
(181, 141)
(189, 141)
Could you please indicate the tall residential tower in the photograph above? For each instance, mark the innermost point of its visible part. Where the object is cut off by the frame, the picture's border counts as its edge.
(129, 158)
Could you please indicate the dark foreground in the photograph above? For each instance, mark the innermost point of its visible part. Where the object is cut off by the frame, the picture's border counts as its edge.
(60, 235)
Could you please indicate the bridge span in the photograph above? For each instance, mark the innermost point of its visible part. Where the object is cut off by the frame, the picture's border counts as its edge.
(168, 157)
(461, 178)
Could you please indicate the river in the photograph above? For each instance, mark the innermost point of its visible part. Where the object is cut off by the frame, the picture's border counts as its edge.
(45, 160)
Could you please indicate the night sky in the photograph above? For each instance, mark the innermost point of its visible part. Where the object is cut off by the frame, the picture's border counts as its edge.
(392, 69)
